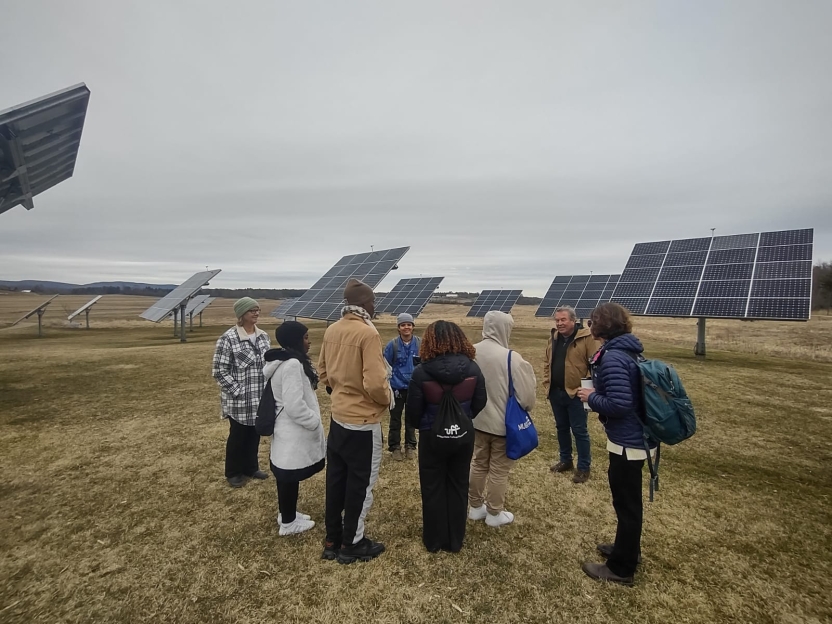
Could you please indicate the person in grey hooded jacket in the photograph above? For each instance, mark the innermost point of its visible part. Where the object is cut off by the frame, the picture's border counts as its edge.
(490, 467)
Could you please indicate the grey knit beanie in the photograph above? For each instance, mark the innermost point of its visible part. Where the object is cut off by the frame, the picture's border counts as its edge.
(404, 317)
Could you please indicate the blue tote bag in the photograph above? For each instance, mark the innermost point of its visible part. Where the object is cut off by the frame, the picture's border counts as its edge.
(521, 436)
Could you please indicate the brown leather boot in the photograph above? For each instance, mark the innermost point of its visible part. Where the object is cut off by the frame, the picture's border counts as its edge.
(581, 476)
(600, 572)
(561, 467)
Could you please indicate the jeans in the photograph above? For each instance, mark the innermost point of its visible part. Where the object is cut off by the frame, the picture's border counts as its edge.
(570, 415)
(625, 485)
(394, 435)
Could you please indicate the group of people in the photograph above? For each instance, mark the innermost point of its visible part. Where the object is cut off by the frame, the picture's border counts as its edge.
(411, 377)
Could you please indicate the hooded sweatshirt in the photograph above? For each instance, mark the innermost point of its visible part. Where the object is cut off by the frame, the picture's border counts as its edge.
(492, 358)
(298, 441)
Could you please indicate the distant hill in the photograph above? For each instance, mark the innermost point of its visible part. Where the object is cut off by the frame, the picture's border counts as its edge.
(96, 288)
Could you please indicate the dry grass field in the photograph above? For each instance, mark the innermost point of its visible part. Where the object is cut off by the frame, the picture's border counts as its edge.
(113, 505)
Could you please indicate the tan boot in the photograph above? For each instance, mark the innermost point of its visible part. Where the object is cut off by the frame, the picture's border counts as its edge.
(409, 453)
(397, 455)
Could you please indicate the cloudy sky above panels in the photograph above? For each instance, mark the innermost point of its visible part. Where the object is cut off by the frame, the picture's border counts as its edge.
(505, 142)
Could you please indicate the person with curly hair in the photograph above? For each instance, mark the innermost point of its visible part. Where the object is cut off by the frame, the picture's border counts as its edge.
(447, 363)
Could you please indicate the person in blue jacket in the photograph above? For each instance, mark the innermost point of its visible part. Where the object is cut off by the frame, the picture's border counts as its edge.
(617, 399)
(402, 354)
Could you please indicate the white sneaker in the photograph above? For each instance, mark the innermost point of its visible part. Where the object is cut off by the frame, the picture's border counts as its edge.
(298, 526)
(477, 513)
(504, 517)
(297, 515)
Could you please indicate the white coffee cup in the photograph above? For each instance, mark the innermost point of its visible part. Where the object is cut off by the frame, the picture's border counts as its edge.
(586, 382)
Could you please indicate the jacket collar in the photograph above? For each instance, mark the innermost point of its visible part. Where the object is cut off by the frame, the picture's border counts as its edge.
(244, 336)
(583, 332)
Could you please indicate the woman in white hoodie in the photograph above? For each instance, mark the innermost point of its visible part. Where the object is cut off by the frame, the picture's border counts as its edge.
(298, 443)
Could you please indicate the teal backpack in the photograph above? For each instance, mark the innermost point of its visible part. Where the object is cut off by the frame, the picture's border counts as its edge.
(668, 416)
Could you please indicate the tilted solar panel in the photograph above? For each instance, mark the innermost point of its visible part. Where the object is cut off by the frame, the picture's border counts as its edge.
(199, 307)
(325, 299)
(765, 275)
(42, 306)
(582, 292)
(409, 295)
(502, 300)
(162, 308)
(84, 307)
(280, 311)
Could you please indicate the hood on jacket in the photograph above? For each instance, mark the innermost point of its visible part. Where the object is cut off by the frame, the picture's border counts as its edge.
(274, 358)
(450, 368)
(497, 326)
(624, 342)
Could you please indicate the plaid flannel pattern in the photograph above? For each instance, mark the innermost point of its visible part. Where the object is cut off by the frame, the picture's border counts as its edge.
(238, 369)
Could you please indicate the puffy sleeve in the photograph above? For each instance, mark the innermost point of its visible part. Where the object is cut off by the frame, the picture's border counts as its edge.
(480, 397)
(415, 406)
(618, 398)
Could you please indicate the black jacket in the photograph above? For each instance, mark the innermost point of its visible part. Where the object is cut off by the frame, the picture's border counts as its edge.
(429, 380)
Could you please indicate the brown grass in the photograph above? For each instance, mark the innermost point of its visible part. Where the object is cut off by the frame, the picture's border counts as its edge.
(113, 507)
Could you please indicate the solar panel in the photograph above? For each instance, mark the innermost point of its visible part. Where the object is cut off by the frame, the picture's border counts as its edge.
(409, 295)
(502, 300)
(280, 311)
(39, 143)
(765, 275)
(582, 292)
(162, 308)
(37, 310)
(199, 308)
(84, 307)
(325, 299)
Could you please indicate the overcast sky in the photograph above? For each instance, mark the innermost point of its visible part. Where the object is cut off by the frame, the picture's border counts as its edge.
(505, 142)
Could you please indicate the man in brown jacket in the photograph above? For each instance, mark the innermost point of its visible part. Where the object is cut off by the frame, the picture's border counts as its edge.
(352, 367)
(568, 353)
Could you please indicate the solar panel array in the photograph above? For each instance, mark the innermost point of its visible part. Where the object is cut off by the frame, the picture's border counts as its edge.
(39, 143)
(582, 292)
(162, 308)
(84, 307)
(325, 299)
(765, 275)
(37, 309)
(198, 304)
(502, 300)
(280, 311)
(409, 295)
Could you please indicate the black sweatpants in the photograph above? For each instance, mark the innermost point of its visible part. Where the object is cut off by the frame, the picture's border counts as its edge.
(241, 450)
(625, 484)
(353, 458)
(394, 435)
(287, 500)
(444, 484)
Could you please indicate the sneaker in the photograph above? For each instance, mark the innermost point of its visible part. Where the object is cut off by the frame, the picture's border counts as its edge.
(477, 513)
(606, 551)
(581, 476)
(409, 453)
(298, 526)
(330, 552)
(260, 475)
(600, 572)
(364, 550)
(297, 515)
(236, 482)
(504, 517)
(562, 466)
(397, 455)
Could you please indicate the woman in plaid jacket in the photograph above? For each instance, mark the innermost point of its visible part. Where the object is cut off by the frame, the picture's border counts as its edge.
(238, 369)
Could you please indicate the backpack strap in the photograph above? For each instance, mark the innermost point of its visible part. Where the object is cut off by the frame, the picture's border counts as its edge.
(510, 380)
(395, 342)
(652, 465)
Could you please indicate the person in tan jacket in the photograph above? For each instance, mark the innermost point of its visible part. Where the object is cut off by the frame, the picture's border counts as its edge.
(490, 467)
(568, 353)
(352, 367)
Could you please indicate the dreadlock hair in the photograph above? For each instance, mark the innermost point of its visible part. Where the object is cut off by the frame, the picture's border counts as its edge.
(443, 337)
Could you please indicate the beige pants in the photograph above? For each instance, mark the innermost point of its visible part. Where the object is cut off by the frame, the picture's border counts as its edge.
(489, 472)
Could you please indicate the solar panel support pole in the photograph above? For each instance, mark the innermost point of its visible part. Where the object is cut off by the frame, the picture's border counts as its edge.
(87, 314)
(175, 322)
(699, 349)
(200, 319)
(182, 337)
(40, 325)
(191, 321)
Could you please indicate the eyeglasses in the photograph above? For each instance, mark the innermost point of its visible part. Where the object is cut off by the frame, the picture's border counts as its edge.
(255, 311)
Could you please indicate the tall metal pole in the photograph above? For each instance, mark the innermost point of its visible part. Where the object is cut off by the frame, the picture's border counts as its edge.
(87, 314)
(200, 319)
(175, 317)
(182, 337)
(699, 349)
(191, 316)
(40, 326)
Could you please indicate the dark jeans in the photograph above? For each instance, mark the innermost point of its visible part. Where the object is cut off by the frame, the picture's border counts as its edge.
(444, 484)
(287, 500)
(570, 414)
(625, 485)
(241, 450)
(394, 436)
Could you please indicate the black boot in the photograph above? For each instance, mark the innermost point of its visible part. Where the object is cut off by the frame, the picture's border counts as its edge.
(364, 550)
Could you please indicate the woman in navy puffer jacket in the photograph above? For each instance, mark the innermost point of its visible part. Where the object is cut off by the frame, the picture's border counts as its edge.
(617, 399)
